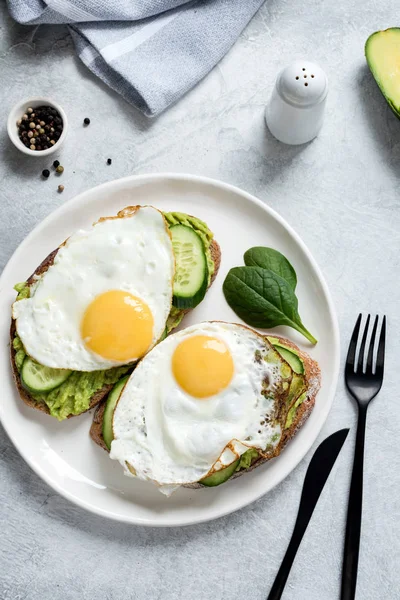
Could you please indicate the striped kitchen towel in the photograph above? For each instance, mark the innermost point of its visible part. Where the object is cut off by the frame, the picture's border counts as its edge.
(149, 51)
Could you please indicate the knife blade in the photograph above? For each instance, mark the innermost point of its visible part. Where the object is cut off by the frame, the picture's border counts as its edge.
(317, 473)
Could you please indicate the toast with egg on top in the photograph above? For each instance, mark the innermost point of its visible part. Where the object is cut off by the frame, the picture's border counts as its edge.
(293, 393)
(82, 390)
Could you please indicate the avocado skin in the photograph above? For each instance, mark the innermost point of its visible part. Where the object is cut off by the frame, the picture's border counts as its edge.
(375, 69)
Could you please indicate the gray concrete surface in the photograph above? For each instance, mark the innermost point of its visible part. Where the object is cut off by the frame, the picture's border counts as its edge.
(341, 195)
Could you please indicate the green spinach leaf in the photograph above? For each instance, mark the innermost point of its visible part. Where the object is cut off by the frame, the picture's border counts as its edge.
(268, 258)
(263, 299)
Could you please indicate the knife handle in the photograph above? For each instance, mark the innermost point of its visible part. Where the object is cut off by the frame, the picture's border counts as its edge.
(354, 513)
(283, 573)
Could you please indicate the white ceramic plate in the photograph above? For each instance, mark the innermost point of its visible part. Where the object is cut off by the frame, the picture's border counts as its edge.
(63, 454)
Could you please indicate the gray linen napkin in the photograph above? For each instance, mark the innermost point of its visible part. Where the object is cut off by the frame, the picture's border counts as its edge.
(149, 51)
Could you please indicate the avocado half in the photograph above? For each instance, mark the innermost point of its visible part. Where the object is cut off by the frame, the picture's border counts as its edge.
(382, 51)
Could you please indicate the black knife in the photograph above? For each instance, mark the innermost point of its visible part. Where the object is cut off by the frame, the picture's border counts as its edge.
(317, 473)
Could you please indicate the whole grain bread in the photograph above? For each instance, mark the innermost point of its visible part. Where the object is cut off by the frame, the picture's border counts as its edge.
(40, 270)
(313, 382)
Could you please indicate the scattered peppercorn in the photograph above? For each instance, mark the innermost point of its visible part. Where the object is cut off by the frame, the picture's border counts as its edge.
(86, 121)
(109, 161)
(60, 169)
(56, 164)
(46, 173)
(36, 123)
(60, 188)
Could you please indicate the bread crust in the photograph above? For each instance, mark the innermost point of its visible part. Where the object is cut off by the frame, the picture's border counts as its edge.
(313, 381)
(40, 270)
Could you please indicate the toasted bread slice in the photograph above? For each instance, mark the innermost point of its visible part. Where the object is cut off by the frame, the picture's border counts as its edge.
(102, 393)
(313, 381)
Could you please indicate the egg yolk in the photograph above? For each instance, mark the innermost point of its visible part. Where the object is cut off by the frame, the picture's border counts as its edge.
(117, 326)
(202, 366)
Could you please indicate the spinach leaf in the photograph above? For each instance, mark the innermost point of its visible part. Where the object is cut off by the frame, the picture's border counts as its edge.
(268, 258)
(263, 299)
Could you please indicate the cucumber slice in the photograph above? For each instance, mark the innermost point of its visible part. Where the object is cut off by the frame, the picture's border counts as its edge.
(191, 271)
(37, 378)
(112, 400)
(220, 476)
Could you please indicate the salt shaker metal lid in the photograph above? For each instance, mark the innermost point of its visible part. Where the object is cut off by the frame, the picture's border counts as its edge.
(295, 112)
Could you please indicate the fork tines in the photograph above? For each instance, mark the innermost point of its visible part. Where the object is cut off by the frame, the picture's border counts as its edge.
(358, 367)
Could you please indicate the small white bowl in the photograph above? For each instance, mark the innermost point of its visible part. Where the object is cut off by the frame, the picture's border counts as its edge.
(16, 113)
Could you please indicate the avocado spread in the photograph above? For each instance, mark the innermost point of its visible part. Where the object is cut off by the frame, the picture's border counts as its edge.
(73, 396)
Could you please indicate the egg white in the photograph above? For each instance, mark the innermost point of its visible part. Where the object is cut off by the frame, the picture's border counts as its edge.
(171, 438)
(133, 254)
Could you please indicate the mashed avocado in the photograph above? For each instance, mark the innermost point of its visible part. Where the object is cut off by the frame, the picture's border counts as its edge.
(247, 459)
(74, 395)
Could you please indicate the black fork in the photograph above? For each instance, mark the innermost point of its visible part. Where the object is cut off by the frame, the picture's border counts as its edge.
(363, 384)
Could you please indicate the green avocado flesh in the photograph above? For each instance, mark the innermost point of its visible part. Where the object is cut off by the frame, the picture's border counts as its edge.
(382, 51)
(221, 476)
(291, 357)
(74, 395)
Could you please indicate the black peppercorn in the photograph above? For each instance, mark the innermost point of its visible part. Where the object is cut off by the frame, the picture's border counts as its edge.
(86, 120)
(109, 161)
(56, 163)
(40, 128)
(46, 173)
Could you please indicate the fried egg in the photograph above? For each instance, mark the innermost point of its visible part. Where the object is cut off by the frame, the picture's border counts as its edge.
(196, 403)
(105, 300)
